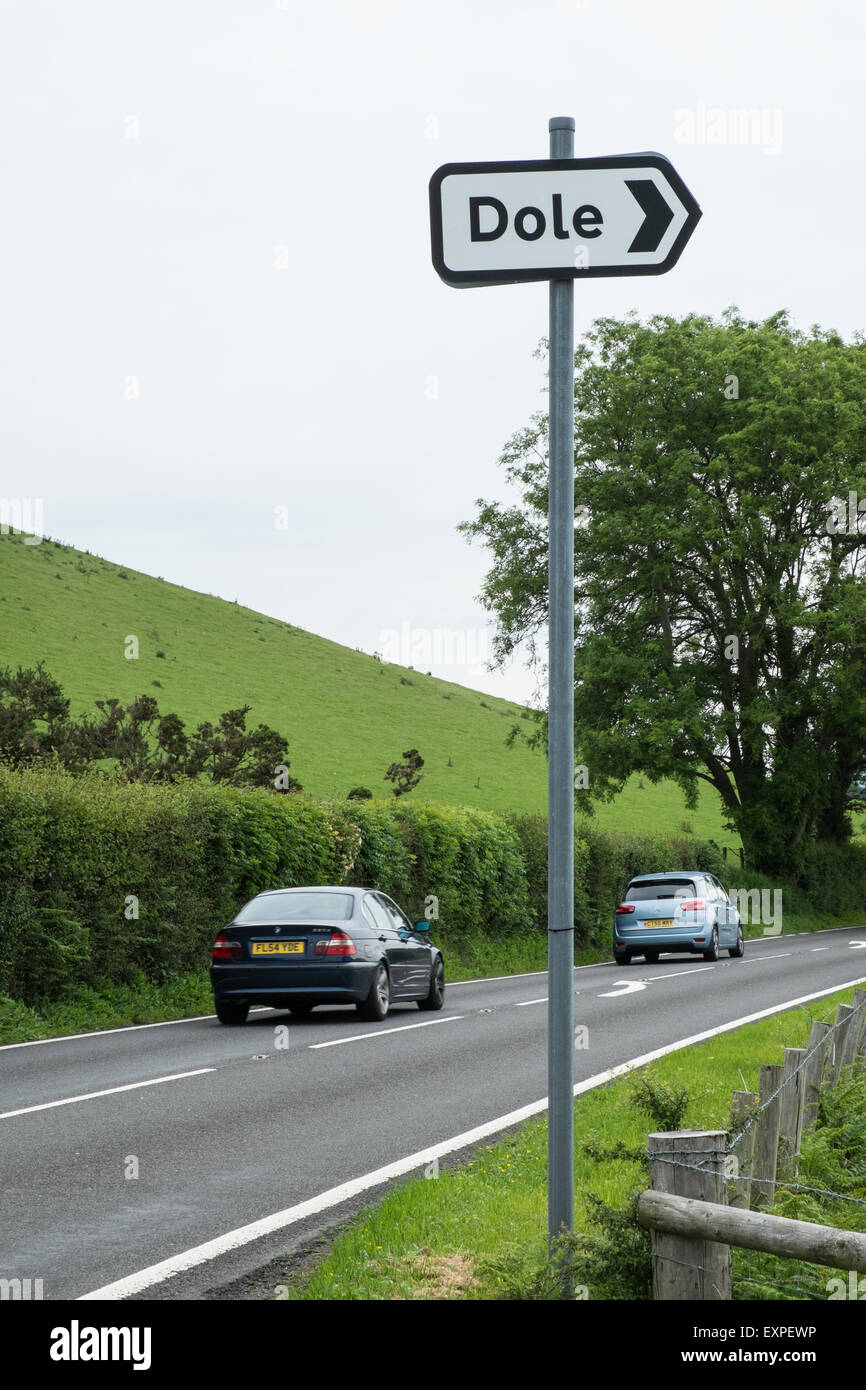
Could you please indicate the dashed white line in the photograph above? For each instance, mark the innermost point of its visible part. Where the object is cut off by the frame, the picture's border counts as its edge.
(385, 1032)
(695, 970)
(143, 1279)
(112, 1091)
(524, 1004)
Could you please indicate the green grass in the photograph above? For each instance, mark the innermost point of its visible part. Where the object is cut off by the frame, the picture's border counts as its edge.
(477, 1230)
(189, 995)
(346, 716)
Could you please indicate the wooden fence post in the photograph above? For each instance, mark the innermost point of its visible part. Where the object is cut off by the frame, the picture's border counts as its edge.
(844, 1019)
(767, 1141)
(813, 1073)
(690, 1163)
(859, 1003)
(743, 1104)
(791, 1106)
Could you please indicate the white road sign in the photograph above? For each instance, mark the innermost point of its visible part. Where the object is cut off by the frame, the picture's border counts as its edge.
(543, 219)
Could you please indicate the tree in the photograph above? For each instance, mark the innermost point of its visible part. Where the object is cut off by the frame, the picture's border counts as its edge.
(34, 716)
(142, 744)
(406, 775)
(228, 752)
(720, 599)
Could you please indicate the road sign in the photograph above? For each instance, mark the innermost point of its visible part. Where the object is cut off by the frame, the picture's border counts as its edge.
(552, 219)
(559, 219)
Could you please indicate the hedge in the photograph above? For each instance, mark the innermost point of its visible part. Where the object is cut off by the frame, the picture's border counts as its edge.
(102, 880)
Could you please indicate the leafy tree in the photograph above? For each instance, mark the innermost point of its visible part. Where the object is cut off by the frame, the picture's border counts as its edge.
(142, 744)
(229, 752)
(34, 717)
(406, 775)
(719, 590)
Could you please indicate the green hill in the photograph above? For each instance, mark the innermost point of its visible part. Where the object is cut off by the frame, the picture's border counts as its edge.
(346, 716)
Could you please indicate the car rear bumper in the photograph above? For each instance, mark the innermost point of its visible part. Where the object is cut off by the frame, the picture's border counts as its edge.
(662, 939)
(348, 982)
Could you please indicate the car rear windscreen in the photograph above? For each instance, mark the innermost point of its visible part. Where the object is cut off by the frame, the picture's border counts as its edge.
(297, 907)
(661, 888)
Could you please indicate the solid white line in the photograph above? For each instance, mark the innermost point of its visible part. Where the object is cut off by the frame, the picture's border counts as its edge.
(819, 948)
(112, 1091)
(384, 1032)
(695, 970)
(127, 1028)
(243, 1235)
(526, 1002)
(485, 980)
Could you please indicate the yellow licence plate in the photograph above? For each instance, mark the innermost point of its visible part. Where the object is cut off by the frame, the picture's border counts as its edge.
(278, 948)
(660, 922)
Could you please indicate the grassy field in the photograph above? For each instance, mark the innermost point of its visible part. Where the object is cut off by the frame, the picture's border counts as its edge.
(346, 716)
(479, 1230)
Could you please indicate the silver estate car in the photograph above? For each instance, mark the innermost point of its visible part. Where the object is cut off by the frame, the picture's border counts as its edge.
(686, 910)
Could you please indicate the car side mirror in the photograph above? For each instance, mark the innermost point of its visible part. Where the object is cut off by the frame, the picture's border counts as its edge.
(422, 926)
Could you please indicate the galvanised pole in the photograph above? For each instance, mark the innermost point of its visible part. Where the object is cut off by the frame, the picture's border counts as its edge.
(560, 855)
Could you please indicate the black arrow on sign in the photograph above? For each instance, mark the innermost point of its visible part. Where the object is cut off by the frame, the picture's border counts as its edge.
(658, 214)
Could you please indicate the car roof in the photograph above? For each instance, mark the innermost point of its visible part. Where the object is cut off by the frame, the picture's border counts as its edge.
(673, 873)
(313, 887)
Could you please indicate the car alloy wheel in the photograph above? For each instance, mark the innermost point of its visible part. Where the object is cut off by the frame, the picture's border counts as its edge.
(436, 996)
(375, 1007)
(736, 951)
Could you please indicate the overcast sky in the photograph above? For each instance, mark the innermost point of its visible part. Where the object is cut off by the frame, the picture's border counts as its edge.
(216, 284)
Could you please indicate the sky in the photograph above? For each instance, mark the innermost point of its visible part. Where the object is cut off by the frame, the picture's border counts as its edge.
(225, 356)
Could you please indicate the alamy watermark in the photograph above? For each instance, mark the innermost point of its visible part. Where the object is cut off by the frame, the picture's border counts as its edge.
(730, 125)
(23, 514)
(423, 647)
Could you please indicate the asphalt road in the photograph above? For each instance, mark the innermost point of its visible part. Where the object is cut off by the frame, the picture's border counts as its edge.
(232, 1125)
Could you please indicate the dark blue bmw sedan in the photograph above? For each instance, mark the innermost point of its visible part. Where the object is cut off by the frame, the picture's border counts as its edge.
(295, 948)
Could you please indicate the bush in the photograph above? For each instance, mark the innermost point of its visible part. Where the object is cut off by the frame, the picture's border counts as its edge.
(102, 881)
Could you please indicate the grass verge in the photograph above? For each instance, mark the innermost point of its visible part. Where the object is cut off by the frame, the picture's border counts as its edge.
(478, 1231)
(189, 995)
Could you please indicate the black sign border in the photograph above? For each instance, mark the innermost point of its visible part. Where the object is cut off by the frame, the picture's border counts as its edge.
(464, 279)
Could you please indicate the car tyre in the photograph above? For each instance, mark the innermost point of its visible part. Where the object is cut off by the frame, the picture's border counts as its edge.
(740, 949)
(231, 1013)
(622, 957)
(375, 1007)
(435, 997)
(713, 952)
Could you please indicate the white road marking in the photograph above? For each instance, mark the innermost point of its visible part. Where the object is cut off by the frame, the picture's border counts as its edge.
(524, 1004)
(127, 1028)
(385, 1032)
(774, 955)
(243, 1235)
(819, 948)
(200, 1018)
(112, 1091)
(857, 944)
(628, 987)
(695, 970)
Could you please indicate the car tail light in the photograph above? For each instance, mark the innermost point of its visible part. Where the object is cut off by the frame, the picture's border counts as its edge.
(225, 949)
(693, 905)
(625, 907)
(339, 945)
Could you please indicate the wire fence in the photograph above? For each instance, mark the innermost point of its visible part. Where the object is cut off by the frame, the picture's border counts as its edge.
(721, 1161)
(711, 1157)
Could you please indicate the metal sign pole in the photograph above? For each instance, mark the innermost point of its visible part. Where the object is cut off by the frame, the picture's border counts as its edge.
(560, 853)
